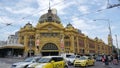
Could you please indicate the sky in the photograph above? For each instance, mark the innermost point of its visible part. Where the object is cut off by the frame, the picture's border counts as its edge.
(80, 13)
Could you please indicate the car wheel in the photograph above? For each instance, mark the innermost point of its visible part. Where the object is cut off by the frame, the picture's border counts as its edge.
(26, 66)
(69, 63)
(66, 66)
(93, 63)
(86, 65)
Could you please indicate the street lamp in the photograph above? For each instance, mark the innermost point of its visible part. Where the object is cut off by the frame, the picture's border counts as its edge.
(117, 45)
(109, 28)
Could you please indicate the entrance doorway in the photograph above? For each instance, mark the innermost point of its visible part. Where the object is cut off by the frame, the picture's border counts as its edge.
(49, 53)
(30, 53)
(50, 49)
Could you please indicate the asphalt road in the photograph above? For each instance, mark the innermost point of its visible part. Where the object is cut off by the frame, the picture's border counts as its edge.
(7, 62)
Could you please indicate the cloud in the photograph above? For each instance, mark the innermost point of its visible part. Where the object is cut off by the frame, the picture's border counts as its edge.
(20, 7)
(63, 6)
(5, 34)
(90, 28)
(31, 10)
(27, 10)
(83, 9)
(60, 5)
(6, 19)
(83, 24)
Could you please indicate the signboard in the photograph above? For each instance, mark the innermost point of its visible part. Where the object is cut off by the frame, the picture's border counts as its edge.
(37, 42)
(62, 43)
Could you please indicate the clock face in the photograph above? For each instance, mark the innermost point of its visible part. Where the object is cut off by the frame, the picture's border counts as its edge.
(49, 28)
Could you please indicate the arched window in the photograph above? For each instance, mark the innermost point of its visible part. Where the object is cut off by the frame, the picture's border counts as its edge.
(49, 19)
(49, 46)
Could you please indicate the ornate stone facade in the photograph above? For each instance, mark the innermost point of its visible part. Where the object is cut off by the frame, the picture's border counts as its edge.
(49, 37)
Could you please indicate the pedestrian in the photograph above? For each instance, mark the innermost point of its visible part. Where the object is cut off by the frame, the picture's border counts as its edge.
(103, 60)
(115, 60)
(106, 60)
(111, 59)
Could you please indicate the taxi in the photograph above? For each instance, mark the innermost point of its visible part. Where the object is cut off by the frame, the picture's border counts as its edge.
(25, 63)
(84, 61)
(49, 62)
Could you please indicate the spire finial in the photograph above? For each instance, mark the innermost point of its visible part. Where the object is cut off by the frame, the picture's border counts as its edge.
(49, 4)
(49, 11)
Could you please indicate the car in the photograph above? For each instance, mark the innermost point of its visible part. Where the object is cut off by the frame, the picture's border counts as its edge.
(71, 59)
(99, 58)
(25, 63)
(84, 61)
(49, 62)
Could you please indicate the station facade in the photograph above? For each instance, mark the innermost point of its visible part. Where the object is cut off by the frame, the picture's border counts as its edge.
(50, 37)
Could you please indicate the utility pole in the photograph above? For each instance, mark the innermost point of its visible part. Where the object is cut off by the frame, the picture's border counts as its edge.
(110, 32)
(117, 45)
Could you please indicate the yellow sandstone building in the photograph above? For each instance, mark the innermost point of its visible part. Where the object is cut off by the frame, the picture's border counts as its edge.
(50, 37)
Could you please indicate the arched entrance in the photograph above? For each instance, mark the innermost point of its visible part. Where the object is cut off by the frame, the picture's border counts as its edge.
(30, 53)
(49, 49)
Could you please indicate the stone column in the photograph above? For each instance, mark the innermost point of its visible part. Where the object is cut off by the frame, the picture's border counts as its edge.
(72, 44)
(26, 45)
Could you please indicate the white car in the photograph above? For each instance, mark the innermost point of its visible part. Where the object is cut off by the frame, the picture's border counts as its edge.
(25, 63)
(70, 60)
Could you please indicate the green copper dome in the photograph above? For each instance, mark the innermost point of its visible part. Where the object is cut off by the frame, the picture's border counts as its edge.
(49, 17)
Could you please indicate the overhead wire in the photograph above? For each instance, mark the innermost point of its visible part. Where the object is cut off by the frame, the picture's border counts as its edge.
(36, 12)
(10, 24)
(113, 5)
(43, 9)
(7, 24)
(81, 15)
(58, 3)
(66, 17)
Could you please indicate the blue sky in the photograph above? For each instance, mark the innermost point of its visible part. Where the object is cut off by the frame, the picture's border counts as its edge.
(80, 13)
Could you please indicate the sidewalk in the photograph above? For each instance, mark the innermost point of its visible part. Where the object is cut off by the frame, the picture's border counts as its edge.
(4, 65)
(7, 62)
(11, 60)
(111, 65)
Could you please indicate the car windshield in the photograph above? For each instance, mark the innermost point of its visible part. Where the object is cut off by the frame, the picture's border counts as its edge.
(68, 55)
(28, 59)
(44, 60)
(83, 58)
(72, 56)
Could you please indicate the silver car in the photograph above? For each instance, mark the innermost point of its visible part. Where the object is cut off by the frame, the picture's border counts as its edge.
(25, 63)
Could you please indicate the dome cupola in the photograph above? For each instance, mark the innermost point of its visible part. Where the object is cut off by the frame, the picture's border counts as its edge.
(51, 16)
(69, 26)
(28, 25)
